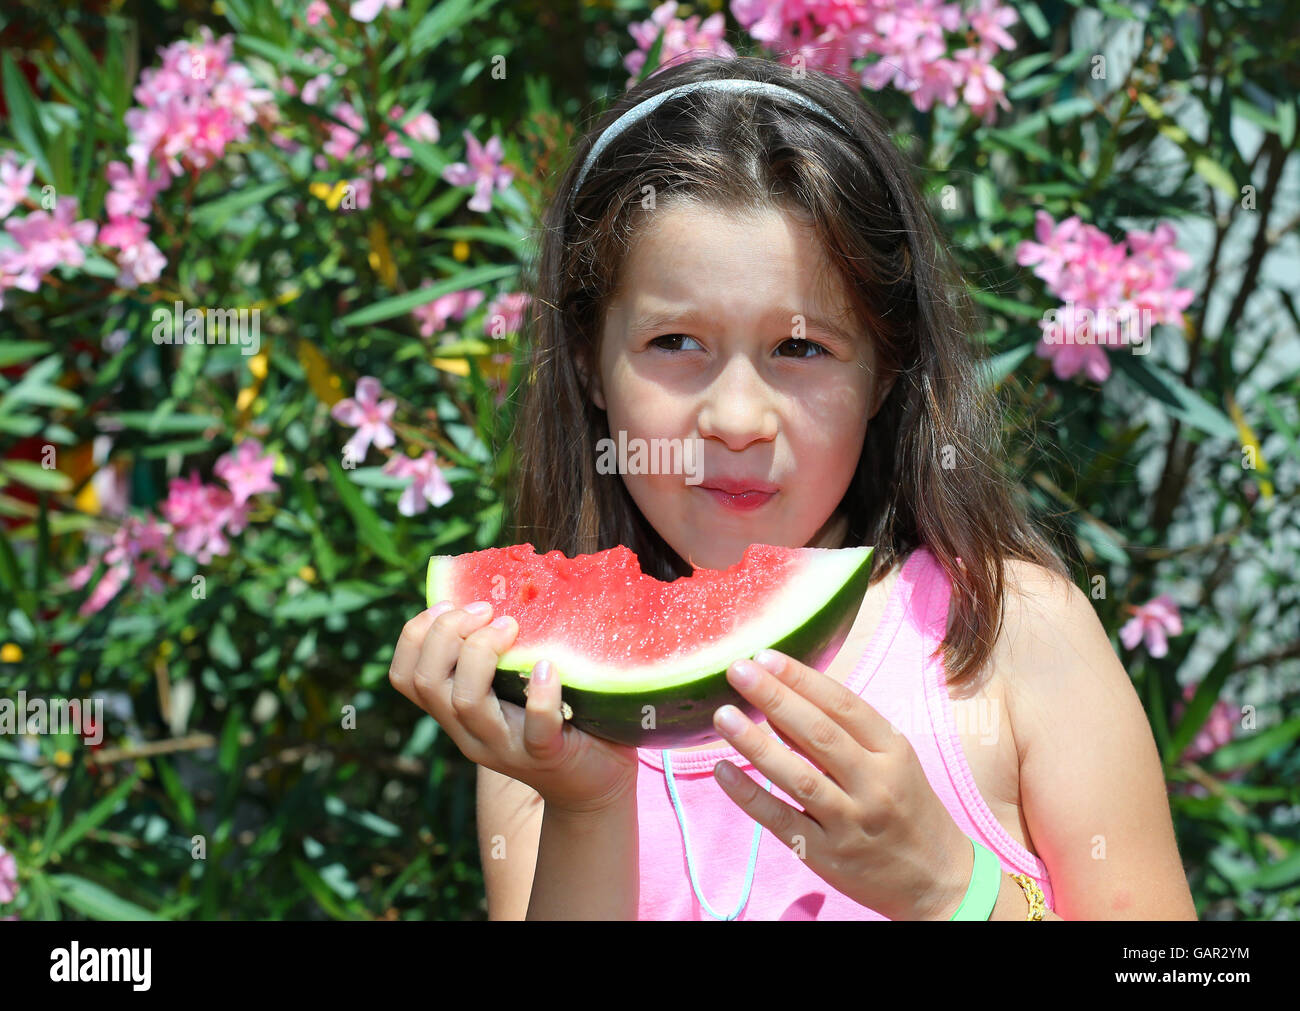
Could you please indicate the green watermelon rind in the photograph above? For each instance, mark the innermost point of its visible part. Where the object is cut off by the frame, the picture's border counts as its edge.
(683, 696)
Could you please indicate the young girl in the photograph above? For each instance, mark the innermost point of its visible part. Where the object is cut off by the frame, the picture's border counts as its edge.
(745, 261)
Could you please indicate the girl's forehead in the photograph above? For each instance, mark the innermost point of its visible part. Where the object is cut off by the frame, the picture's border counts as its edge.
(704, 259)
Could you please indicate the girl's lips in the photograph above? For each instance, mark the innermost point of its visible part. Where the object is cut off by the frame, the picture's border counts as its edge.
(744, 501)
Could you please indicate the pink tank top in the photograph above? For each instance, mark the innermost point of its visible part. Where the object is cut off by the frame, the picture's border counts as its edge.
(909, 691)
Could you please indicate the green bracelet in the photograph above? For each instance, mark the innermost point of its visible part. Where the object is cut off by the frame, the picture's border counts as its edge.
(985, 883)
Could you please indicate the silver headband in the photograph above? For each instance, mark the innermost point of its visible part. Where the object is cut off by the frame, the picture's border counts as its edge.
(643, 109)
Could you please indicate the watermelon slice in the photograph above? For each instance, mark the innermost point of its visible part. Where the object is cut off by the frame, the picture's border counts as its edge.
(643, 662)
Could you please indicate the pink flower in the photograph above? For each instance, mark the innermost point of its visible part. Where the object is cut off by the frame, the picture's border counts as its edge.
(311, 91)
(505, 314)
(16, 271)
(421, 127)
(136, 548)
(51, 239)
(1113, 292)
(139, 264)
(1152, 621)
(428, 484)
(990, 21)
(433, 316)
(246, 471)
(121, 232)
(368, 415)
(202, 515)
(984, 84)
(1215, 732)
(368, 10)
(484, 171)
(680, 37)
(132, 191)
(317, 11)
(13, 182)
(8, 876)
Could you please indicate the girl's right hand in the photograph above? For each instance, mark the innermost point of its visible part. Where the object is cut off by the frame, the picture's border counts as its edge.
(445, 662)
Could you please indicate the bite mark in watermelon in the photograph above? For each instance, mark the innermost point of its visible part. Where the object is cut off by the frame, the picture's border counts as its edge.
(641, 661)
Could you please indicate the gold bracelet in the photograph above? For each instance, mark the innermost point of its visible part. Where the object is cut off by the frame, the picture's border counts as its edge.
(1037, 904)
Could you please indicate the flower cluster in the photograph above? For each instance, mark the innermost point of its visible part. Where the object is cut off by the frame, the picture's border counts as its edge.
(44, 240)
(912, 38)
(198, 518)
(370, 417)
(433, 316)
(1121, 289)
(203, 514)
(137, 549)
(192, 106)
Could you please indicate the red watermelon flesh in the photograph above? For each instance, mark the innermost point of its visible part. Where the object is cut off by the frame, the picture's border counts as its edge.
(644, 661)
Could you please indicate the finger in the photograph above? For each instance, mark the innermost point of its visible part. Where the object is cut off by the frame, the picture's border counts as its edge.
(401, 671)
(543, 716)
(794, 828)
(435, 668)
(816, 792)
(858, 718)
(475, 703)
(821, 739)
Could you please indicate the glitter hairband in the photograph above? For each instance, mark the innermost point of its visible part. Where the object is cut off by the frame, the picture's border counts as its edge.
(733, 84)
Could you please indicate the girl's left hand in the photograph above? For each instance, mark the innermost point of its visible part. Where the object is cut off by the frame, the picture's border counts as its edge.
(872, 827)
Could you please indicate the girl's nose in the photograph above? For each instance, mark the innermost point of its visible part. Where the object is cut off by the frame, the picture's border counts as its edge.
(738, 407)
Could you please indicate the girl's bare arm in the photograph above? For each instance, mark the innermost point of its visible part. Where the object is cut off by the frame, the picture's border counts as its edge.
(588, 863)
(1092, 786)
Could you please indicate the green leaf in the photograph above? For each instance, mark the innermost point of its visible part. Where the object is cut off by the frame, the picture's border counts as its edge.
(1207, 693)
(94, 900)
(320, 891)
(1180, 401)
(1256, 746)
(33, 475)
(217, 211)
(652, 57)
(1215, 174)
(369, 526)
(1000, 366)
(13, 352)
(24, 117)
(222, 648)
(400, 304)
(1034, 18)
(101, 812)
(1007, 306)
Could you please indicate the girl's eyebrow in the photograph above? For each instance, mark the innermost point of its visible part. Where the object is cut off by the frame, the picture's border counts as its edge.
(655, 320)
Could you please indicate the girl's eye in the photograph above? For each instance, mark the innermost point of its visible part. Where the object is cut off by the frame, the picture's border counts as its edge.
(819, 351)
(674, 342)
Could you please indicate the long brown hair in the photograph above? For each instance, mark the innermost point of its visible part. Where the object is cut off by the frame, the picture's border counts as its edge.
(931, 470)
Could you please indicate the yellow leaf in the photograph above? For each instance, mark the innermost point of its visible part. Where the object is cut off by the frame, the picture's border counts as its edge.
(257, 365)
(10, 652)
(245, 398)
(1249, 439)
(87, 500)
(321, 191)
(320, 377)
(460, 251)
(381, 259)
(456, 366)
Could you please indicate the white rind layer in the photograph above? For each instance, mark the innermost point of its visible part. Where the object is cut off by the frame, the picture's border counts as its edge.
(788, 610)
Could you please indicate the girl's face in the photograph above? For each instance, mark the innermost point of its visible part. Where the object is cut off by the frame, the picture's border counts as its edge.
(736, 332)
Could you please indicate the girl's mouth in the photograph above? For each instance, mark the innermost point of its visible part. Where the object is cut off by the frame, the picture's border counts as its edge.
(739, 496)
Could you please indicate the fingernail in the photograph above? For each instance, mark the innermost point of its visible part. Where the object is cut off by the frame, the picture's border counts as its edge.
(774, 662)
(743, 674)
(729, 720)
(502, 622)
(542, 672)
(479, 608)
(442, 607)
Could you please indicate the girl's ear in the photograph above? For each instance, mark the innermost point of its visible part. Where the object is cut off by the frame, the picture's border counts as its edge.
(590, 380)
